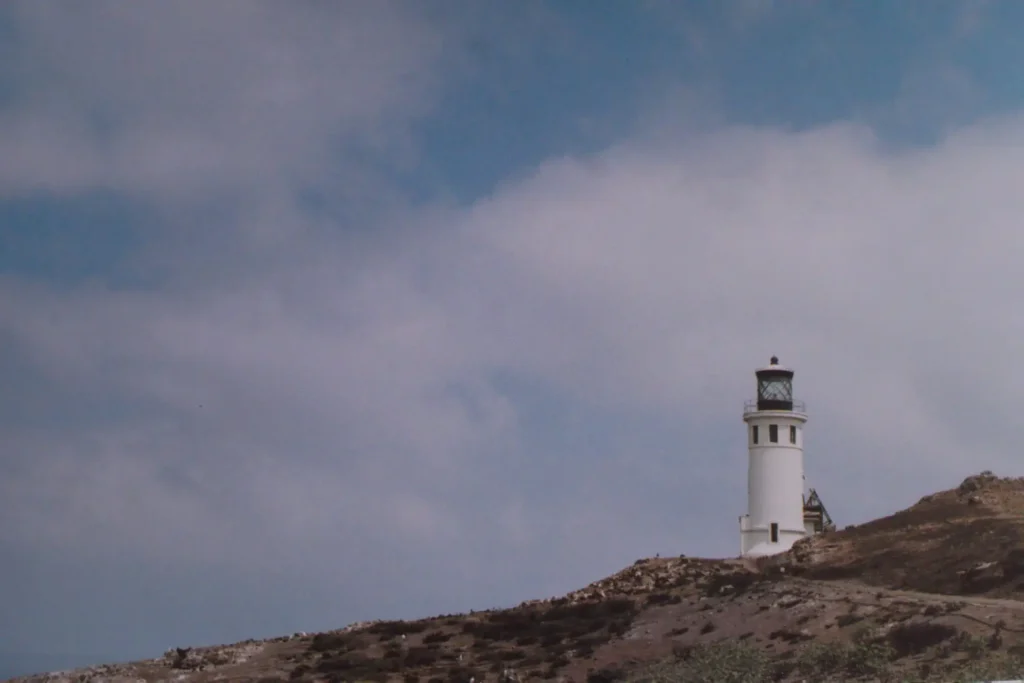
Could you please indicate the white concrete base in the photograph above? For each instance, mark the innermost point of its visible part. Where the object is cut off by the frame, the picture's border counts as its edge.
(757, 541)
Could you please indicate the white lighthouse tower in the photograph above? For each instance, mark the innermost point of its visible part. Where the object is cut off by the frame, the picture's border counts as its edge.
(776, 512)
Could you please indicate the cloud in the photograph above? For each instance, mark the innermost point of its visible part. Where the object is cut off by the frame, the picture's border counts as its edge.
(181, 100)
(972, 17)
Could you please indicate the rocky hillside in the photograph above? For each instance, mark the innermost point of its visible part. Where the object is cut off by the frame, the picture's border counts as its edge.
(966, 541)
(929, 593)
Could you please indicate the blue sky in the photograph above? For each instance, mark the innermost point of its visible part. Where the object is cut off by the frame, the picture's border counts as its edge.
(320, 312)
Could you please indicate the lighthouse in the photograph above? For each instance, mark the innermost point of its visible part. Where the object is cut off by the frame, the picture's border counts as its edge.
(778, 515)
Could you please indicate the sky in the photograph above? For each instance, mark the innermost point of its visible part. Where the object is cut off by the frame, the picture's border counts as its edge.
(317, 312)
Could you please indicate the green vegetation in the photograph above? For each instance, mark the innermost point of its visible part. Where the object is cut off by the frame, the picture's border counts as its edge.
(719, 663)
(871, 657)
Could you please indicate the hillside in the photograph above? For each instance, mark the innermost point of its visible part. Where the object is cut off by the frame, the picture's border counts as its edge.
(928, 593)
(965, 541)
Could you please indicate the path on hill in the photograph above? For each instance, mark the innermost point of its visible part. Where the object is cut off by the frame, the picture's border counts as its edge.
(977, 600)
(873, 595)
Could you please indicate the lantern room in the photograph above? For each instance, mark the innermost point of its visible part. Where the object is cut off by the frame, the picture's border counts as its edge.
(774, 387)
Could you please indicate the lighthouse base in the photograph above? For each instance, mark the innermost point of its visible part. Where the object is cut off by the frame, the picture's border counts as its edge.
(758, 540)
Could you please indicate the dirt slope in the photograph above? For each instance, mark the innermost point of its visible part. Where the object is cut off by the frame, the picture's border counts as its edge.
(900, 598)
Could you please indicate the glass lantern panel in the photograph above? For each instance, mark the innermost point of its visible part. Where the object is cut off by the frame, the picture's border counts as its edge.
(776, 390)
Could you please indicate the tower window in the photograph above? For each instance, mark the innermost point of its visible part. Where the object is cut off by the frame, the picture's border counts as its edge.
(773, 433)
(792, 433)
(775, 532)
(753, 434)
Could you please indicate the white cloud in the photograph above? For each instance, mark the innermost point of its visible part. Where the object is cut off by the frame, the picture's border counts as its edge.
(972, 17)
(182, 99)
(638, 281)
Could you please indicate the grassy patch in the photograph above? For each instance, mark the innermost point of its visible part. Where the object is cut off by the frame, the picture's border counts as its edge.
(718, 663)
(559, 623)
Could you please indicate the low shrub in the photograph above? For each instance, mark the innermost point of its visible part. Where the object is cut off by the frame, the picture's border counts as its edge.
(461, 674)
(844, 620)
(620, 626)
(390, 629)
(345, 662)
(394, 649)
(864, 634)
(993, 669)
(563, 620)
(531, 660)
(551, 639)
(588, 642)
(357, 666)
(868, 658)
(608, 674)
(914, 637)
(559, 662)
(420, 656)
(789, 636)
(724, 662)
(735, 583)
(591, 610)
(822, 658)
(663, 599)
(510, 655)
(325, 642)
(974, 646)
(481, 645)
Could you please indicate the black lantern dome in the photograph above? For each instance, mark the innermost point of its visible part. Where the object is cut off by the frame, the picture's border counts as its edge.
(774, 387)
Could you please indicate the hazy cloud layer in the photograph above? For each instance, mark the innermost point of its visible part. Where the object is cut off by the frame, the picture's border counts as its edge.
(293, 407)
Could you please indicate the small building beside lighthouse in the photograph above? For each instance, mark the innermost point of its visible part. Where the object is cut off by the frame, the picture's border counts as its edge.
(778, 513)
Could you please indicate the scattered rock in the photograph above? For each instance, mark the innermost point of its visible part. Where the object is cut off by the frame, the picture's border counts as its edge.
(787, 602)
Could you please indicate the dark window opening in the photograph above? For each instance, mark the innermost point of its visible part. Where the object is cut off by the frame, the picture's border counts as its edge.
(775, 532)
(753, 433)
(792, 434)
(773, 433)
